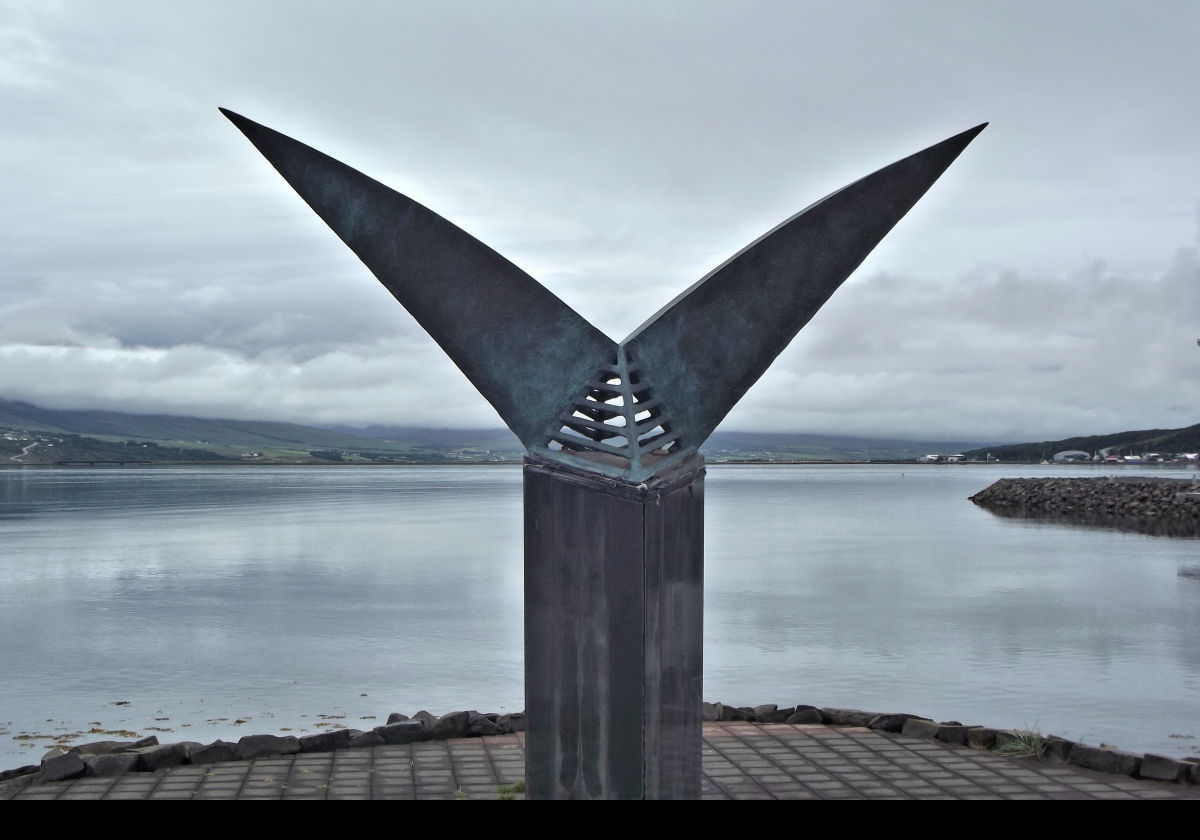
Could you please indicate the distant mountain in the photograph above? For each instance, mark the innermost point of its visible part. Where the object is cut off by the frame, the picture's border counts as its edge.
(111, 436)
(499, 439)
(783, 446)
(189, 437)
(159, 437)
(164, 427)
(1162, 441)
(738, 446)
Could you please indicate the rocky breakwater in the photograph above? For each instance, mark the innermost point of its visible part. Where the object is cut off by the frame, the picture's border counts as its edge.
(115, 758)
(1167, 506)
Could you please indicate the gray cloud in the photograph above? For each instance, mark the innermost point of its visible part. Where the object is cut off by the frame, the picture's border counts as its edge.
(150, 260)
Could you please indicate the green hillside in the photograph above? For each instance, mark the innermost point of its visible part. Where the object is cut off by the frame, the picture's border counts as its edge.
(34, 447)
(112, 436)
(115, 437)
(741, 446)
(1162, 441)
(164, 427)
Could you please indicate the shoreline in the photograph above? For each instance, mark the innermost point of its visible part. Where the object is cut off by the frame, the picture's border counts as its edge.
(747, 462)
(111, 758)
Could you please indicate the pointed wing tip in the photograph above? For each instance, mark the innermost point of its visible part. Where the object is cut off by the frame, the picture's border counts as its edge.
(957, 142)
(971, 133)
(236, 118)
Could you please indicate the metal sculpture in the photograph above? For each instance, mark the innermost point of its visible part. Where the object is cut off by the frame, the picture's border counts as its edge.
(613, 478)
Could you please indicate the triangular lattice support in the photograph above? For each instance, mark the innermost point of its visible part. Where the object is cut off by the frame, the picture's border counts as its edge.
(616, 425)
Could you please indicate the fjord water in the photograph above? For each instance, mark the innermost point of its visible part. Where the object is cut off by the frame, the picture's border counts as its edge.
(197, 603)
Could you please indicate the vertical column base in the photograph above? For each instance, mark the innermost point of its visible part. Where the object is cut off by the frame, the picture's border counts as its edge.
(614, 601)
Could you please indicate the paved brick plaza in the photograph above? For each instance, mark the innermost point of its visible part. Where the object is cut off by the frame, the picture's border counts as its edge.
(741, 761)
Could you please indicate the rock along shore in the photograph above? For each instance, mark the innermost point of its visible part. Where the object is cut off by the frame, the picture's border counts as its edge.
(114, 758)
(1166, 506)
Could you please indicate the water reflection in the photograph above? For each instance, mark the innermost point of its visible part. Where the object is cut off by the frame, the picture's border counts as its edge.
(280, 594)
(1163, 527)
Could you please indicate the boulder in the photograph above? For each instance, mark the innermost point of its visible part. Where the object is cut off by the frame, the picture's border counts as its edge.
(846, 717)
(110, 763)
(804, 714)
(891, 722)
(1105, 760)
(1055, 748)
(776, 715)
(333, 739)
(18, 772)
(158, 756)
(981, 737)
(212, 753)
(105, 747)
(367, 739)
(514, 722)
(61, 767)
(480, 725)
(450, 725)
(1163, 769)
(425, 718)
(734, 713)
(255, 746)
(952, 733)
(402, 732)
(920, 728)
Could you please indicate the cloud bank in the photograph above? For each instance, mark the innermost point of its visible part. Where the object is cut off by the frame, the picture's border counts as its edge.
(150, 260)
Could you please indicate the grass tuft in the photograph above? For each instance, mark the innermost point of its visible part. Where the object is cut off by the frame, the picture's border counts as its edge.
(511, 791)
(1026, 743)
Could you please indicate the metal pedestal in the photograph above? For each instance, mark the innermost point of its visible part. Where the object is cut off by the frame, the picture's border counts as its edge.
(614, 604)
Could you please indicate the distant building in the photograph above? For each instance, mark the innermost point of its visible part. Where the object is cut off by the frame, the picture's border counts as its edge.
(1068, 456)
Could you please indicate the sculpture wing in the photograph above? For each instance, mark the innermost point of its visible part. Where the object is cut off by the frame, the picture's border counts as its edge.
(704, 350)
(524, 349)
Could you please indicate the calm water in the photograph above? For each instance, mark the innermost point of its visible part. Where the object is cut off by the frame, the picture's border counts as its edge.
(181, 601)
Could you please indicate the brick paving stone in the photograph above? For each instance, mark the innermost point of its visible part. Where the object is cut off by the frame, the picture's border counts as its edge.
(918, 789)
(740, 761)
(1152, 794)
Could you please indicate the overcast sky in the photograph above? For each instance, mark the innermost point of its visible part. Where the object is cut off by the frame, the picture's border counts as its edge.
(1049, 283)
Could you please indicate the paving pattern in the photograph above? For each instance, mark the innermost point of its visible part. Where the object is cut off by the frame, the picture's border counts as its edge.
(741, 761)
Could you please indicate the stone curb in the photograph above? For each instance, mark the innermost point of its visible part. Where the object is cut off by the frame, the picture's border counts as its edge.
(1052, 748)
(114, 758)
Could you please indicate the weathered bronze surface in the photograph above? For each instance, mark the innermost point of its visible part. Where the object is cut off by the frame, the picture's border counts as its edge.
(614, 484)
(570, 393)
(614, 633)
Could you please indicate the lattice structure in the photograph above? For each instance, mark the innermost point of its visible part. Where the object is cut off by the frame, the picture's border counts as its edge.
(616, 415)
